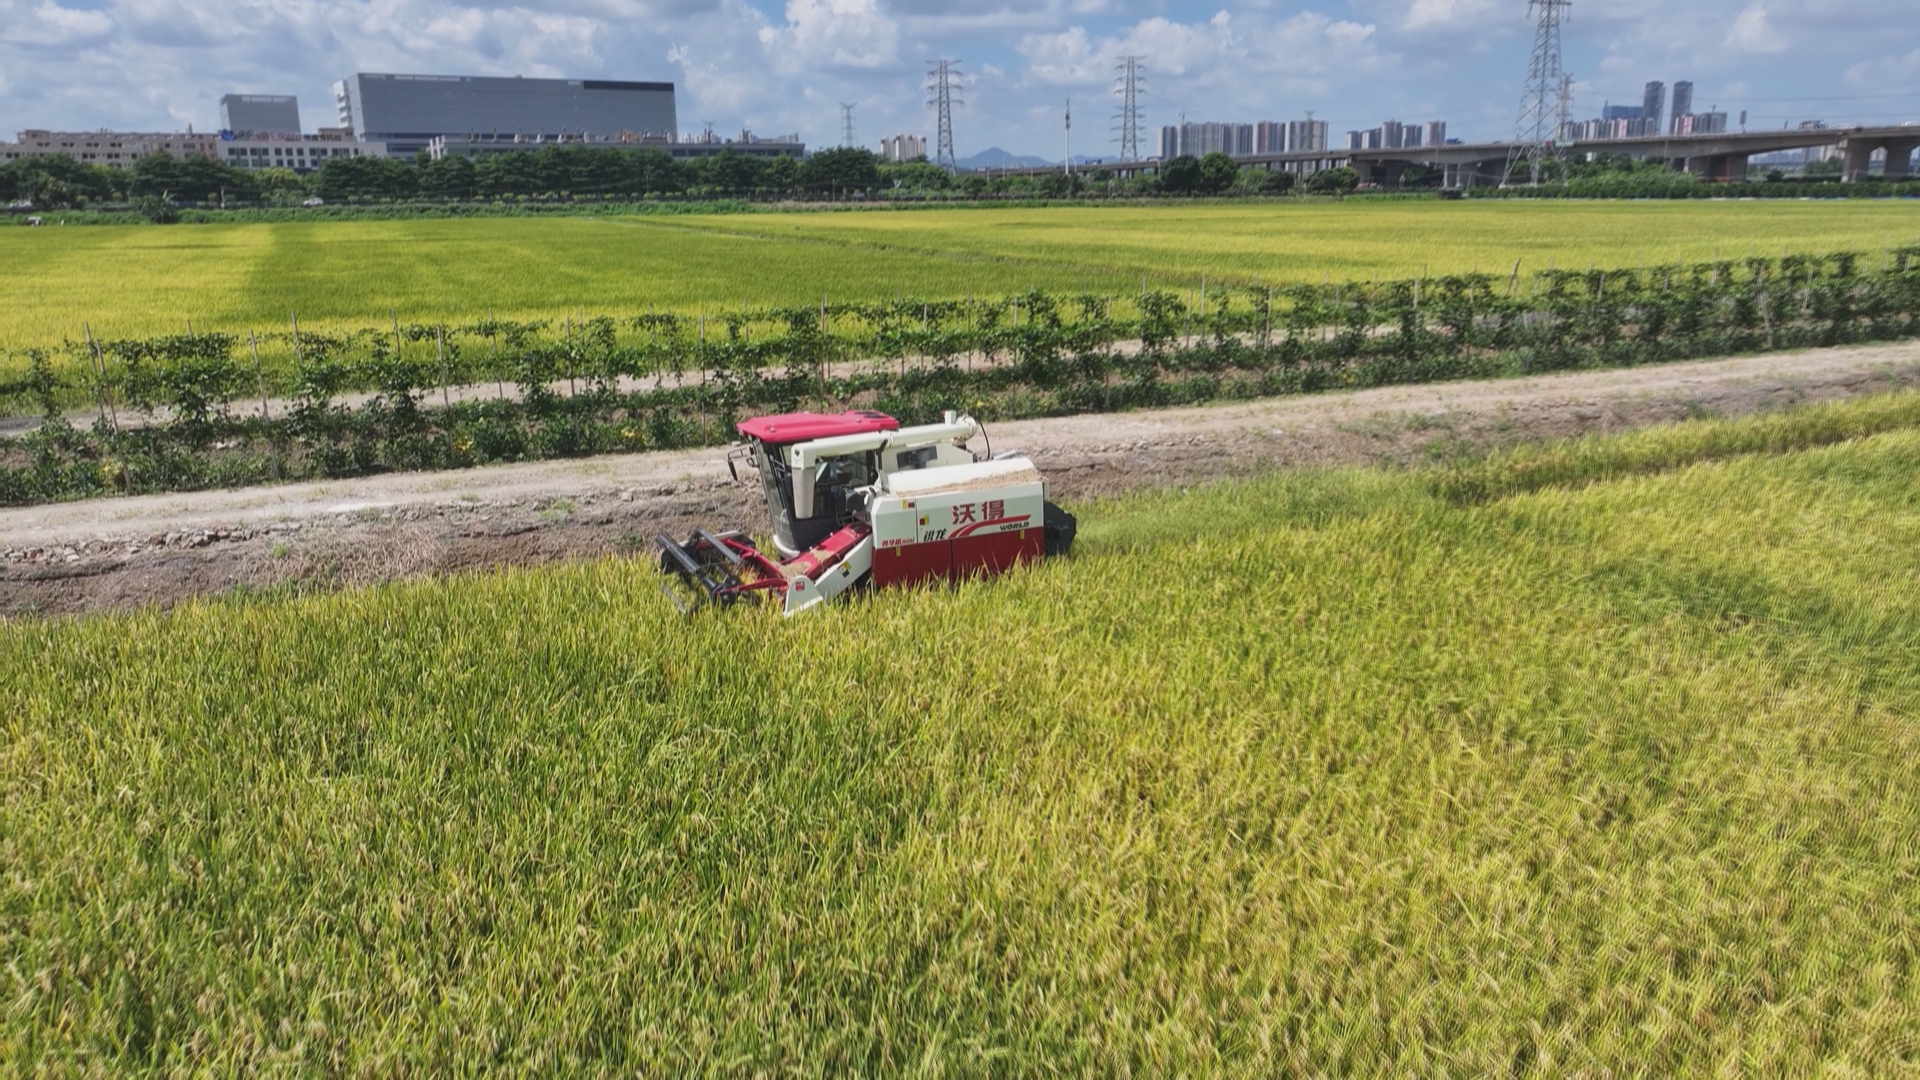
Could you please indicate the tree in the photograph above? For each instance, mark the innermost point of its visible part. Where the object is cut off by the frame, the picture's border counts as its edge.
(190, 178)
(1180, 175)
(1061, 185)
(449, 178)
(345, 178)
(280, 185)
(841, 169)
(730, 172)
(781, 175)
(1338, 181)
(1217, 174)
(1276, 182)
(654, 172)
(916, 175)
(57, 181)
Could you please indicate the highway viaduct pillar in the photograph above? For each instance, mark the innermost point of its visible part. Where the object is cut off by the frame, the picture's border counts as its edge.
(1858, 156)
(1720, 168)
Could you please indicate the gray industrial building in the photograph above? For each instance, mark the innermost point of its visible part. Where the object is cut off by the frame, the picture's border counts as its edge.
(260, 114)
(407, 112)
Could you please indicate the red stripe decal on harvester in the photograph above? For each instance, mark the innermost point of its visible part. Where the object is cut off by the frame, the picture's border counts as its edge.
(978, 525)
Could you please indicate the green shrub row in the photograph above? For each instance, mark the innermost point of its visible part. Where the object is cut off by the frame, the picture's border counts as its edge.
(189, 411)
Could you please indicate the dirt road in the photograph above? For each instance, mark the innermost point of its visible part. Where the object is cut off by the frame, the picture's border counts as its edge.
(124, 553)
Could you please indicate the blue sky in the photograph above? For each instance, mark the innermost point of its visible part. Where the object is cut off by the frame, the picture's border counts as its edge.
(783, 65)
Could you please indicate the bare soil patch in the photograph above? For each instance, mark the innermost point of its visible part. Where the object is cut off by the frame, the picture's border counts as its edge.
(114, 554)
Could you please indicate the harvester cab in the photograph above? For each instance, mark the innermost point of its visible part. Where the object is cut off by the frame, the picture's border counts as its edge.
(856, 500)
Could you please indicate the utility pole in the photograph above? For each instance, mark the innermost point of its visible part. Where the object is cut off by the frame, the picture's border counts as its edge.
(1128, 86)
(1548, 91)
(846, 124)
(1066, 138)
(941, 75)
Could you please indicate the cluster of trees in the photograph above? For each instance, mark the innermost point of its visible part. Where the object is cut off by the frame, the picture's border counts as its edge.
(55, 182)
(598, 172)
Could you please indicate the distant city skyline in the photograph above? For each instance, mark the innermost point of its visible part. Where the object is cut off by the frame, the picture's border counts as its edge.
(1357, 64)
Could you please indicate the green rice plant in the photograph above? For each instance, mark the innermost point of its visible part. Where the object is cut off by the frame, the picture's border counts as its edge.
(1315, 773)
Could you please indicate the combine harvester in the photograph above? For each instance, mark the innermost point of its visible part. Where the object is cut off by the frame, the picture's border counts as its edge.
(857, 500)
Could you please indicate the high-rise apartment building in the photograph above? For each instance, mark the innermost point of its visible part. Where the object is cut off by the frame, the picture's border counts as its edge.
(1306, 136)
(1198, 140)
(1436, 133)
(1706, 123)
(1653, 106)
(903, 147)
(1682, 104)
(1269, 137)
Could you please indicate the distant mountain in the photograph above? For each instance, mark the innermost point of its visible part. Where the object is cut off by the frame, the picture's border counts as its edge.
(996, 158)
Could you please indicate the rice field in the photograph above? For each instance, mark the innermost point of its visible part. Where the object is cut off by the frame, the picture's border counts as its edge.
(1593, 758)
(125, 281)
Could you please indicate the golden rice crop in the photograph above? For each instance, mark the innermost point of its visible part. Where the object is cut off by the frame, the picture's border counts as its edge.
(128, 281)
(1318, 773)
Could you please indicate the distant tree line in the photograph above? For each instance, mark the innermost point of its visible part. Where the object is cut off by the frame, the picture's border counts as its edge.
(599, 172)
(158, 182)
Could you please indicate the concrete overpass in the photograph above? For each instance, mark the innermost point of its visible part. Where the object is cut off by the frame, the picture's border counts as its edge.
(1720, 156)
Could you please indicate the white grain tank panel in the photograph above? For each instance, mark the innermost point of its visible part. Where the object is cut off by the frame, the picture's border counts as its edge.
(974, 477)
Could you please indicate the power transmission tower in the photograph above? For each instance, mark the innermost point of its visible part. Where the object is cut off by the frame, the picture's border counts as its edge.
(1548, 90)
(941, 75)
(846, 124)
(1563, 110)
(1128, 86)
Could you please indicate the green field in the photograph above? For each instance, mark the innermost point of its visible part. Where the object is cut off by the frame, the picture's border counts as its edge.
(1595, 759)
(136, 281)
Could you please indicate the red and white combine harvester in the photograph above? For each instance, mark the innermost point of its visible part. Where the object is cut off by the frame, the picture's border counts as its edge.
(858, 500)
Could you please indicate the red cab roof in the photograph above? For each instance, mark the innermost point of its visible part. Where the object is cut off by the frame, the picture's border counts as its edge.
(806, 426)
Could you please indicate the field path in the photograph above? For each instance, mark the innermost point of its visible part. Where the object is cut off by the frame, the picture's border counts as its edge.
(129, 552)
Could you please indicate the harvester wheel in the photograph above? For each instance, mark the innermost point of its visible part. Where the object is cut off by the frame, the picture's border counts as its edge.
(1059, 527)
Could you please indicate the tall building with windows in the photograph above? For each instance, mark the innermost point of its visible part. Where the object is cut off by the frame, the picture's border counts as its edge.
(260, 114)
(1682, 105)
(407, 112)
(903, 147)
(1198, 140)
(1653, 108)
(1306, 136)
(1436, 133)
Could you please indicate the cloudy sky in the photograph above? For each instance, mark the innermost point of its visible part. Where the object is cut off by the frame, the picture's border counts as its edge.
(780, 66)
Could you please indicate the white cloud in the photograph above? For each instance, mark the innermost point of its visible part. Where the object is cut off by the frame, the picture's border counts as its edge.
(832, 33)
(1429, 13)
(1751, 32)
(51, 24)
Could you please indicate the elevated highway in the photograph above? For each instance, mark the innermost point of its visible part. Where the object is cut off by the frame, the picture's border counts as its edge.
(1719, 156)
